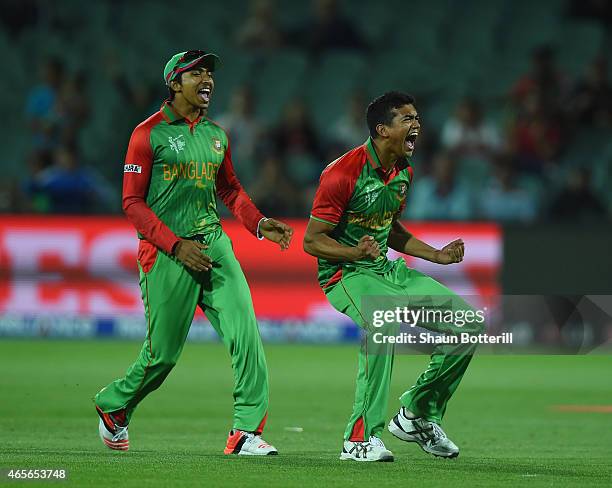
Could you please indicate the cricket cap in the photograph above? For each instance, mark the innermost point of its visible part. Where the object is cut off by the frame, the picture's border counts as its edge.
(187, 60)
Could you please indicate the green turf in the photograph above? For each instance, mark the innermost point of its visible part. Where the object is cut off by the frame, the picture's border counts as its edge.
(500, 418)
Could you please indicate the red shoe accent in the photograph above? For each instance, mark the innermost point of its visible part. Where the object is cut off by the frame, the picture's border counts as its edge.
(110, 419)
(117, 446)
(261, 425)
(357, 435)
(107, 419)
(232, 442)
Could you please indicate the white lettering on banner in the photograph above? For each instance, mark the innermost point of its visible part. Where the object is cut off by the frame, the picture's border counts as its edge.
(86, 266)
(25, 250)
(84, 279)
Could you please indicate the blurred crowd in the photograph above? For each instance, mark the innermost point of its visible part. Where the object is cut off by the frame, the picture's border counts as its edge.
(475, 167)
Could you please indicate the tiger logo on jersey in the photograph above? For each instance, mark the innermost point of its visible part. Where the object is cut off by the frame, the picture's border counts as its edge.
(217, 146)
(401, 194)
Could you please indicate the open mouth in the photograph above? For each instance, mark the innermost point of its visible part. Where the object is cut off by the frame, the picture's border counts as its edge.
(410, 141)
(204, 94)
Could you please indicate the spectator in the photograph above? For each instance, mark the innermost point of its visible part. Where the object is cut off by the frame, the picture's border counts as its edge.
(38, 162)
(260, 30)
(134, 102)
(272, 192)
(41, 105)
(467, 134)
(591, 102)
(350, 129)
(296, 143)
(504, 199)
(545, 80)
(68, 188)
(535, 137)
(440, 196)
(577, 201)
(73, 106)
(328, 30)
(244, 131)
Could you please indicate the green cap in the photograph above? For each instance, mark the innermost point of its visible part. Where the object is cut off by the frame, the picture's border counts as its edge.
(187, 60)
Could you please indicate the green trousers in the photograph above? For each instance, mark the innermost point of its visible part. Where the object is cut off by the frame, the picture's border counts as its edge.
(170, 293)
(434, 387)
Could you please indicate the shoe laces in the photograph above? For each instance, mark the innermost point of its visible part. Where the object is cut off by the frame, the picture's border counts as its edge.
(361, 448)
(438, 433)
(119, 433)
(255, 439)
(375, 441)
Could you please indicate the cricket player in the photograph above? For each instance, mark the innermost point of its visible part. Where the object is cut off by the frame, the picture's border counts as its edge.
(354, 221)
(177, 161)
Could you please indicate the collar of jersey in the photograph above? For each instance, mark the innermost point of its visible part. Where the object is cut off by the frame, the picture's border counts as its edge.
(373, 157)
(171, 116)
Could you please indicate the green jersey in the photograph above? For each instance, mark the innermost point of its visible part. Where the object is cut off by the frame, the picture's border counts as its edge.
(173, 171)
(359, 198)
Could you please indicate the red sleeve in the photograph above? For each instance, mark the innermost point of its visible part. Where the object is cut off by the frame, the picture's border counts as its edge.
(336, 187)
(233, 195)
(136, 179)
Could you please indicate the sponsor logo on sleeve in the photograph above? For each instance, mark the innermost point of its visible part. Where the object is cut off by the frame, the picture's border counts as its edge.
(132, 168)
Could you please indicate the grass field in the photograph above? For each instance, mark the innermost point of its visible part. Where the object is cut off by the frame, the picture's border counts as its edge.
(501, 418)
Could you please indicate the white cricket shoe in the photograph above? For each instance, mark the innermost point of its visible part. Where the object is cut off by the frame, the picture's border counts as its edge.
(371, 450)
(117, 440)
(248, 444)
(428, 435)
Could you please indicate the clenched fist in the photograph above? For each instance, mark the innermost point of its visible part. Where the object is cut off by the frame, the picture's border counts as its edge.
(367, 248)
(451, 253)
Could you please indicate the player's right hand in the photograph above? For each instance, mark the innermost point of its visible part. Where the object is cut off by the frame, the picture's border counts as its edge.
(367, 248)
(190, 254)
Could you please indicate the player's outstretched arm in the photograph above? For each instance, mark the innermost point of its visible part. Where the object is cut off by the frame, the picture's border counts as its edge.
(318, 243)
(403, 241)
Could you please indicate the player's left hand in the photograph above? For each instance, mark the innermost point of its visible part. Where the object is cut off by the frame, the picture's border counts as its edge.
(276, 231)
(451, 253)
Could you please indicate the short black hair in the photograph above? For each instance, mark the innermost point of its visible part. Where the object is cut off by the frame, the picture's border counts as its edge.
(171, 92)
(380, 110)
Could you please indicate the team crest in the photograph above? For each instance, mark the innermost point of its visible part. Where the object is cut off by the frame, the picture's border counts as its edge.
(401, 192)
(217, 147)
(177, 143)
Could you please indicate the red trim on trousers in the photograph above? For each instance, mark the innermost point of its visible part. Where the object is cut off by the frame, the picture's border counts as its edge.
(357, 435)
(262, 424)
(337, 276)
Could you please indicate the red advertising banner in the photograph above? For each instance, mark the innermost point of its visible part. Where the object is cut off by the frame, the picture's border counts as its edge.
(87, 266)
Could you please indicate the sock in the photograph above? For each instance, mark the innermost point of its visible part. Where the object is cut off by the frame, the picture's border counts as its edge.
(408, 414)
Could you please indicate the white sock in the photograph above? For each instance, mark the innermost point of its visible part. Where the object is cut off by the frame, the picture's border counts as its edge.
(408, 414)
